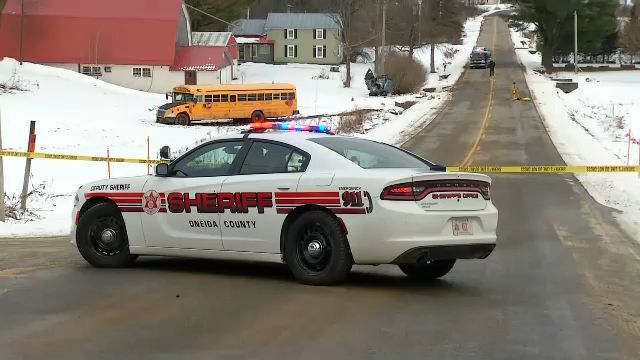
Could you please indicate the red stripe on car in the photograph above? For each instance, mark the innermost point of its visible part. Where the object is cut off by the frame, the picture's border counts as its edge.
(113, 195)
(335, 201)
(294, 195)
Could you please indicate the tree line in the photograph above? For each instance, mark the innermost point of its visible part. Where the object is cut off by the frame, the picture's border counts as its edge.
(602, 27)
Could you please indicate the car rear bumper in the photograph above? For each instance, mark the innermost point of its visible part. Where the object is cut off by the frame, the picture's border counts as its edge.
(424, 254)
(396, 232)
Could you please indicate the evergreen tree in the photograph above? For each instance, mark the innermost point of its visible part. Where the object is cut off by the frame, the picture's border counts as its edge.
(554, 24)
(227, 10)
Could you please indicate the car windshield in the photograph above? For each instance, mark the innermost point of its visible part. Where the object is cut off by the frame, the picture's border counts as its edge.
(177, 96)
(372, 155)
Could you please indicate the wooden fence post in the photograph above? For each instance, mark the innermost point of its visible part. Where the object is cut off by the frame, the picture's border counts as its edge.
(27, 168)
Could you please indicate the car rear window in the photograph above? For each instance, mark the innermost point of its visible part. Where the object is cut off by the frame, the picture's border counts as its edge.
(372, 155)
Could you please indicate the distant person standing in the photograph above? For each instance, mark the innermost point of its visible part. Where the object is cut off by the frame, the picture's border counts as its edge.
(492, 68)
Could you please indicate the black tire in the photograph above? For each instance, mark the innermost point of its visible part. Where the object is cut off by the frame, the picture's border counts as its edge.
(426, 272)
(97, 223)
(257, 116)
(183, 119)
(329, 261)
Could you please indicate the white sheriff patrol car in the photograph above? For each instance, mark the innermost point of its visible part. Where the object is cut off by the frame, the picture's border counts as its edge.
(318, 202)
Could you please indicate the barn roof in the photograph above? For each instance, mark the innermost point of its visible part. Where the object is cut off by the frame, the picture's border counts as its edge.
(202, 58)
(248, 27)
(210, 38)
(79, 31)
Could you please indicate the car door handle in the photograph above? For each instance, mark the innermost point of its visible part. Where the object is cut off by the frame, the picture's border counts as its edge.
(284, 188)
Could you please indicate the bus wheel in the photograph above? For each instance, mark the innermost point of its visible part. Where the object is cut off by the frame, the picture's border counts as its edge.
(257, 116)
(182, 119)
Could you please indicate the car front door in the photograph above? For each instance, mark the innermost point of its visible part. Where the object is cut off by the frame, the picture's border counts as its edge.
(265, 190)
(182, 210)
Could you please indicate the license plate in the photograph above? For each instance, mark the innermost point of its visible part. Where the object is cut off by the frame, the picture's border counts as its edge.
(461, 227)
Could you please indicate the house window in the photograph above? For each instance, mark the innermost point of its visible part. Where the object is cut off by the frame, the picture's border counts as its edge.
(320, 34)
(107, 69)
(265, 49)
(291, 51)
(320, 51)
(290, 33)
(254, 51)
(146, 72)
(241, 50)
(137, 72)
(86, 70)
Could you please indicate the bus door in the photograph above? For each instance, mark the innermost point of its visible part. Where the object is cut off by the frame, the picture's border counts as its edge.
(233, 106)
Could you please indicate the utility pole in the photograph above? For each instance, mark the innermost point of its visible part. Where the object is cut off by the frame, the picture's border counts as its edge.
(21, 28)
(419, 22)
(575, 42)
(383, 36)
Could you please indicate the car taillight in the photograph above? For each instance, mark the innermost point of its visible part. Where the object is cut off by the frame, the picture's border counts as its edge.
(420, 189)
(406, 192)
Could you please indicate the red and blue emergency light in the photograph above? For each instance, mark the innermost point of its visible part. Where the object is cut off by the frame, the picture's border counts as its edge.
(290, 126)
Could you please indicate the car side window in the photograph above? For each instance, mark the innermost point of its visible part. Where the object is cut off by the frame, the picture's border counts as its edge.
(210, 160)
(269, 158)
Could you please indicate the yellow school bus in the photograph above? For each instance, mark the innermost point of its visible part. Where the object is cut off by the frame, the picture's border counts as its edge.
(192, 103)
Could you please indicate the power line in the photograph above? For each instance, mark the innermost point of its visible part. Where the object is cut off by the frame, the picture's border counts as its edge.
(207, 14)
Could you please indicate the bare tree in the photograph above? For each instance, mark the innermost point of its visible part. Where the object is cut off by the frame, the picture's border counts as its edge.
(344, 12)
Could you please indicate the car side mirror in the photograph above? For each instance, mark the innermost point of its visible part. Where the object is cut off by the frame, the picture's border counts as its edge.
(162, 169)
(165, 153)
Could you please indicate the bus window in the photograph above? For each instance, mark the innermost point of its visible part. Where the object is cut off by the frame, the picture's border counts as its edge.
(182, 96)
(208, 98)
(292, 96)
(199, 98)
(284, 96)
(224, 98)
(276, 96)
(242, 97)
(232, 98)
(216, 98)
(252, 97)
(261, 97)
(268, 97)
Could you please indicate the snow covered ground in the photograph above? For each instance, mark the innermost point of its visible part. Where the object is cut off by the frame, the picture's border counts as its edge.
(76, 114)
(591, 126)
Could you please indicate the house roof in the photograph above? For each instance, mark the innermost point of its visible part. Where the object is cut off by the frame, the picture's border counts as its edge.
(141, 32)
(301, 21)
(210, 38)
(202, 58)
(248, 27)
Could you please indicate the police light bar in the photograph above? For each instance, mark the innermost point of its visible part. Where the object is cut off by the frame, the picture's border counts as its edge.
(290, 126)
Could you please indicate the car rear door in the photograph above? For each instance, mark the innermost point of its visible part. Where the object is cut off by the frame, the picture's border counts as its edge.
(264, 192)
(182, 210)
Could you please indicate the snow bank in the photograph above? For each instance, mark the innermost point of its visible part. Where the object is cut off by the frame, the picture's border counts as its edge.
(590, 126)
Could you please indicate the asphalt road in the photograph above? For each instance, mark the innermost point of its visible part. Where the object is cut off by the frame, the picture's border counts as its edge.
(562, 283)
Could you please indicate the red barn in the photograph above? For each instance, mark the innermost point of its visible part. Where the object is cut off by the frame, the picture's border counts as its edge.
(140, 44)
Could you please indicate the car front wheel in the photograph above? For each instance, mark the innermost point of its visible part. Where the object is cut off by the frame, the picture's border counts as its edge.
(101, 237)
(316, 249)
(428, 271)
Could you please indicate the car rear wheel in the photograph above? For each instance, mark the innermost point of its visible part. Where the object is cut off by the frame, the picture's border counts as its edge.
(102, 239)
(257, 116)
(183, 119)
(316, 249)
(429, 271)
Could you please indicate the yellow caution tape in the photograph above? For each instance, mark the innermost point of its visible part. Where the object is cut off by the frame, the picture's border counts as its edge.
(541, 169)
(76, 157)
